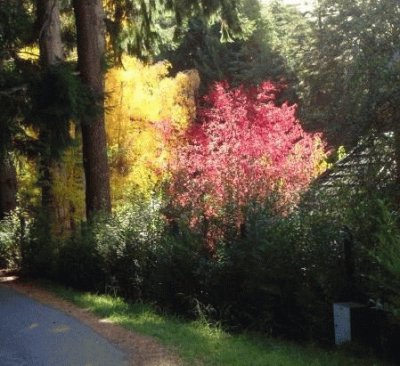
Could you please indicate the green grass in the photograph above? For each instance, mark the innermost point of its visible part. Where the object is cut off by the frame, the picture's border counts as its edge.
(201, 344)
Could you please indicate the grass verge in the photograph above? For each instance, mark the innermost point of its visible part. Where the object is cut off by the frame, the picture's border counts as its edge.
(198, 343)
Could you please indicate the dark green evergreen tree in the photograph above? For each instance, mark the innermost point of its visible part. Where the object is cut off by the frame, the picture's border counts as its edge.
(246, 57)
(351, 67)
(15, 27)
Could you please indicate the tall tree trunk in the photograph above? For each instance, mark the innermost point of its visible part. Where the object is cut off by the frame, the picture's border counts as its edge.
(50, 42)
(8, 186)
(397, 154)
(51, 54)
(89, 17)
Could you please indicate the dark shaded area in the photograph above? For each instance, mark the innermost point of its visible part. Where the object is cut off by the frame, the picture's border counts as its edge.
(239, 61)
(8, 187)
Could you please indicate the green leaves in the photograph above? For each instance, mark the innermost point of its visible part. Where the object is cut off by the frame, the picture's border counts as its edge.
(58, 97)
(134, 27)
(347, 68)
(15, 24)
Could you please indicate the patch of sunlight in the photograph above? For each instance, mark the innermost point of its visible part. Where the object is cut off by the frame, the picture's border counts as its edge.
(109, 301)
(141, 319)
(208, 331)
(29, 53)
(33, 325)
(8, 278)
(62, 328)
(106, 321)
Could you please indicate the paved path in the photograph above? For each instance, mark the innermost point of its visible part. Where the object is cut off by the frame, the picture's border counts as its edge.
(32, 334)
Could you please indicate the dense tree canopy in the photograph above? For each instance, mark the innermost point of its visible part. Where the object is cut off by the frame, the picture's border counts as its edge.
(350, 67)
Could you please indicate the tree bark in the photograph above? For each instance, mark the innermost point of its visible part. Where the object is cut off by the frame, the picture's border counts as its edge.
(51, 54)
(50, 42)
(397, 155)
(89, 17)
(8, 187)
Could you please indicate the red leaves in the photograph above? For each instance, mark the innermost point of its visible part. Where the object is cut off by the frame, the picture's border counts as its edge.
(244, 148)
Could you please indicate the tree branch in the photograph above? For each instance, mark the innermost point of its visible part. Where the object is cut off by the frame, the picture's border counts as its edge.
(11, 91)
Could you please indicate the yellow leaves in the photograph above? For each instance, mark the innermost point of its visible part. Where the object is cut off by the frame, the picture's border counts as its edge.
(319, 157)
(31, 132)
(146, 114)
(29, 53)
(147, 93)
(28, 191)
(341, 152)
(325, 165)
(140, 97)
(68, 189)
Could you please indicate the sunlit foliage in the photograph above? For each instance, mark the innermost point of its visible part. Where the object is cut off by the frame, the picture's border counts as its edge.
(147, 114)
(67, 185)
(68, 189)
(27, 176)
(245, 148)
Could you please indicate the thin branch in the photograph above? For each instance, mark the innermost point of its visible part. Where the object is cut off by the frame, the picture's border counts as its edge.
(11, 91)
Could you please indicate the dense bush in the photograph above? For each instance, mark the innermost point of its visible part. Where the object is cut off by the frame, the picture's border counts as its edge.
(279, 275)
(79, 263)
(39, 250)
(384, 281)
(174, 281)
(125, 244)
(255, 280)
(12, 232)
(113, 254)
(245, 147)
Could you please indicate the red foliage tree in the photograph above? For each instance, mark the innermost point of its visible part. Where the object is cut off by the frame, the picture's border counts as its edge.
(244, 148)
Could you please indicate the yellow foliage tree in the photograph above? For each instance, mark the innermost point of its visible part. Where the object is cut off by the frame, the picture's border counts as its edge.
(146, 114)
(68, 190)
(144, 105)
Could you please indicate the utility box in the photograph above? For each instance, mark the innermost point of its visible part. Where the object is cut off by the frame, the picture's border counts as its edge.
(371, 327)
(343, 317)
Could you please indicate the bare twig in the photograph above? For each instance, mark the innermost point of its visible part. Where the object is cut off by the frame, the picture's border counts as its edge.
(11, 91)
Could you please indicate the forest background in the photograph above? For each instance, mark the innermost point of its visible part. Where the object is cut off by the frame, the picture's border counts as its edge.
(236, 160)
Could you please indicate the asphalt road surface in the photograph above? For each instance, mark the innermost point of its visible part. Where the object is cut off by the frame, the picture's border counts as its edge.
(32, 334)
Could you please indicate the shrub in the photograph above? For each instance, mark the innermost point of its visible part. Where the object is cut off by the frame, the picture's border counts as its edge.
(245, 148)
(13, 230)
(386, 253)
(273, 277)
(39, 250)
(174, 280)
(254, 282)
(125, 243)
(79, 262)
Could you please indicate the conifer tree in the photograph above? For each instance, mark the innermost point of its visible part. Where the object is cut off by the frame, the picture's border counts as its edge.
(15, 26)
(91, 56)
(51, 54)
